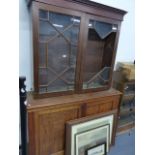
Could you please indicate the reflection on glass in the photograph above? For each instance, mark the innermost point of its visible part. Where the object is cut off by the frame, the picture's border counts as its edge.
(99, 53)
(43, 14)
(58, 41)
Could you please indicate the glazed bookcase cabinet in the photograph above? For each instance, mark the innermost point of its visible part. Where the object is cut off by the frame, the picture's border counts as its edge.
(74, 44)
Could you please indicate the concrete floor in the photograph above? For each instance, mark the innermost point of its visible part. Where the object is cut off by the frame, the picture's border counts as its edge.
(125, 144)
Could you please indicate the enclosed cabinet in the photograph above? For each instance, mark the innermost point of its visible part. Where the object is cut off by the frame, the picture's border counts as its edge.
(58, 50)
(98, 53)
(47, 118)
(74, 48)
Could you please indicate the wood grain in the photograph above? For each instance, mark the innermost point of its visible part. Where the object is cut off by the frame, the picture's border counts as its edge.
(48, 117)
(34, 104)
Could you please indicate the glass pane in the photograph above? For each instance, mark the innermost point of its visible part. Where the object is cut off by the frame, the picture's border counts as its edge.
(58, 42)
(58, 54)
(42, 55)
(102, 29)
(43, 14)
(99, 53)
(46, 32)
(64, 83)
(43, 77)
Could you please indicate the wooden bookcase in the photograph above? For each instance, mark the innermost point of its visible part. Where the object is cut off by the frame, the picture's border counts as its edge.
(74, 46)
(126, 117)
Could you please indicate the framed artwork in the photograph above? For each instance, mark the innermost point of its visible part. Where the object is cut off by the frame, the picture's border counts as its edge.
(91, 138)
(79, 126)
(97, 150)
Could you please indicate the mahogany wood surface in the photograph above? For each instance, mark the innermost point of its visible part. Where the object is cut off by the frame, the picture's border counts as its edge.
(47, 117)
(86, 10)
(126, 127)
(86, 6)
(46, 102)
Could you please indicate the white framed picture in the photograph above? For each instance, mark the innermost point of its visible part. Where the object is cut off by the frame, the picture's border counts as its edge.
(97, 150)
(91, 138)
(82, 125)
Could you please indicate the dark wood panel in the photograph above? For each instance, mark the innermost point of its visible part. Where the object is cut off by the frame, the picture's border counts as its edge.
(31, 131)
(100, 106)
(106, 107)
(86, 10)
(125, 127)
(47, 122)
(97, 9)
(36, 104)
(51, 129)
(58, 153)
(109, 48)
(91, 110)
(35, 20)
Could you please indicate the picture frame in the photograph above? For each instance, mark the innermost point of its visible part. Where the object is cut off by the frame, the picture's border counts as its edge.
(92, 138)
(99, 149)
(87, 123)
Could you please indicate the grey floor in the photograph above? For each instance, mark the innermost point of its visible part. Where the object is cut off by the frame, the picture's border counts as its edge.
(125, 144)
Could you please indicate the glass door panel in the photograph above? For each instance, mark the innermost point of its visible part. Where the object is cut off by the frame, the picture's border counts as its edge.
(58, 45)
(99, 53)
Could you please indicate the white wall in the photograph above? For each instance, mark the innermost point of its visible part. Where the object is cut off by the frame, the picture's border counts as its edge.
(25, 44)
(126, 46)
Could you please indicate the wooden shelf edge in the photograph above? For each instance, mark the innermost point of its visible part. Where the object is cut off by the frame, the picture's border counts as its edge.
(125, 127)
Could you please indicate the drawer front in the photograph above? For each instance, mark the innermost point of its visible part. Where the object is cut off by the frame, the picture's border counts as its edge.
(49, 129)
(102, 105)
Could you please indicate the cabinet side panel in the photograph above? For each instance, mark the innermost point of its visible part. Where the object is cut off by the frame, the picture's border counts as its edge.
(116, 102)
(31, 131)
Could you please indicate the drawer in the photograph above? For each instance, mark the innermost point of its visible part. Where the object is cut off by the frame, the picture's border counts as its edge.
(102, 105)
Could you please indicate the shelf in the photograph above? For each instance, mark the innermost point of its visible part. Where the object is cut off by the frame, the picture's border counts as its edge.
(125, 127)
(127, 110)
(128, 97)
(129, 93)
(126, 118)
